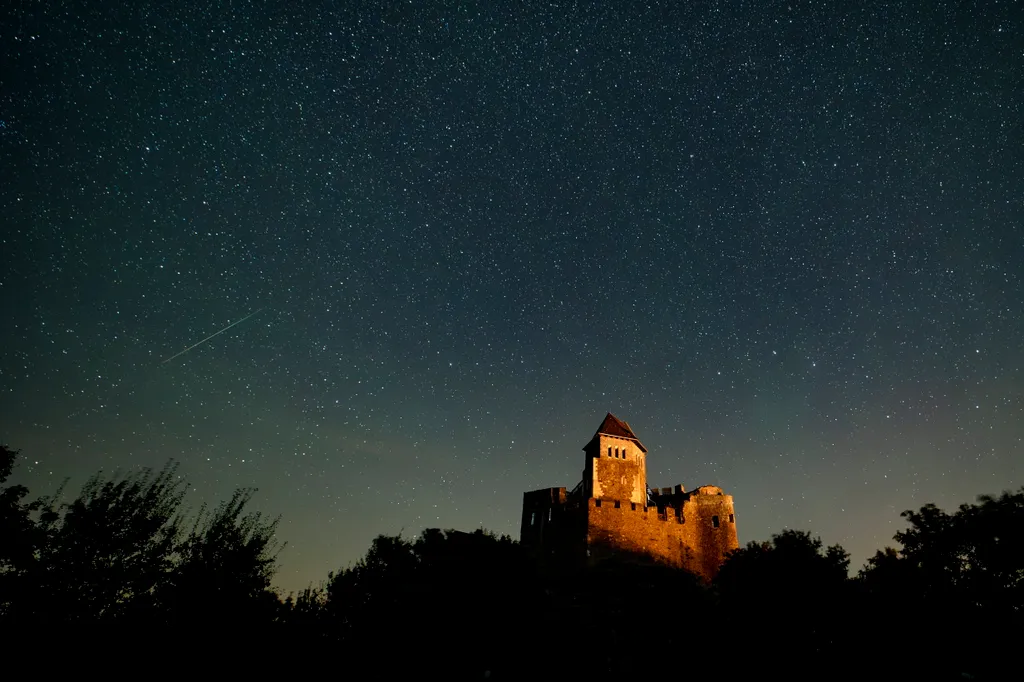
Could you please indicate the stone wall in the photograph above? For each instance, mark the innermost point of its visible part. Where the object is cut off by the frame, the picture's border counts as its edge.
(685, 536)
(538, 511)
(553, 529)
(616, 468)
(712, 542)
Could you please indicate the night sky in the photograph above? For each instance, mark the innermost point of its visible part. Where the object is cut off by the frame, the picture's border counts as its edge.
(782, 240)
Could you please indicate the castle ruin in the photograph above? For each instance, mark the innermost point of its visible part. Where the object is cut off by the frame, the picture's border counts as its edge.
(612, 512)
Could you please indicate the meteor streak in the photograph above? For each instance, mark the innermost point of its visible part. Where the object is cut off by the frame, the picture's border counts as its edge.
(199, 343)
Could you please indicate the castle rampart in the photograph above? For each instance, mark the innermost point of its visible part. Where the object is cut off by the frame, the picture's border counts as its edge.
(694, 534)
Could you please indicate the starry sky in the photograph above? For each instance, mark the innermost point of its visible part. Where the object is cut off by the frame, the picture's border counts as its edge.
(782, 240)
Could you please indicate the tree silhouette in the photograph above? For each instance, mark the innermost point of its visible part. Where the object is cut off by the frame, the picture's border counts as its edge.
(376, 583)
(222, 570)
(792, 565)
(305, 617)
(955, 569)
(445, 589)
(20, 536)
(789, 591)
(119, 558)
(17, 528)
(105, 553)
(973, 556)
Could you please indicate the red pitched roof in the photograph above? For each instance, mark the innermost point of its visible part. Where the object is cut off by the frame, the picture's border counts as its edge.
(613, 426)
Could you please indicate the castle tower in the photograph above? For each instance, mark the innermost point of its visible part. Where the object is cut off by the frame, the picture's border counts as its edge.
(616, 463)
(612, 513)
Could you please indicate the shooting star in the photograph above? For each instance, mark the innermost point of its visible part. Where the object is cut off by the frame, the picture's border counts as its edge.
(199, 343)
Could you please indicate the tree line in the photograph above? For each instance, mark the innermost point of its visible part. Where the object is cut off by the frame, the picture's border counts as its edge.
(124, 562)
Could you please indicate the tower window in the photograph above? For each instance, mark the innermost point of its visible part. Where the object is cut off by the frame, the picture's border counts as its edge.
(616, 504)
(597, 503)
(732, 519)
(533, 518)
(714, 521)
(609, 451)
(549, 514)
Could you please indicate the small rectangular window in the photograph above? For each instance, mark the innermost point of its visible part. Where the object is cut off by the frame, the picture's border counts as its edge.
(597, 503)
(549, 514)
(616, 504)
(732, 519)
(609, 451)
(714, 521)
(533, 518)
(632, 506)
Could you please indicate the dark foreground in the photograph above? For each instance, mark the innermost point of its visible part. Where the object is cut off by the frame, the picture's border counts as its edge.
(118, 582)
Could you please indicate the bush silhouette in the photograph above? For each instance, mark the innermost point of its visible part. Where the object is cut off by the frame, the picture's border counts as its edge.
(124, 557)
(119, 558)
(958, 579)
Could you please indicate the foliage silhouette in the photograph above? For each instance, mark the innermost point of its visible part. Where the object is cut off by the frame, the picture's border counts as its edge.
(120, 556)
(105, 553)
(223, 568)
(17, 528)
(787, 591)
(20, 536)
(454, 581)
(123, 555)
(960, 577)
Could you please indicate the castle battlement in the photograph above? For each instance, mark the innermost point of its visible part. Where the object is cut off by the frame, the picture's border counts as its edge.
(662, 513)
(612, 512)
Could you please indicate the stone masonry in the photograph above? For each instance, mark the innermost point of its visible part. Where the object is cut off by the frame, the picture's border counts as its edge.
(612, 512)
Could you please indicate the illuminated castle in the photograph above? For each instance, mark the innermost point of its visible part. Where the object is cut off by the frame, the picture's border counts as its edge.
(613, 512)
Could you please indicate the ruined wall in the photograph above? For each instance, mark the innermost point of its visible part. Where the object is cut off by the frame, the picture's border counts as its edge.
(538, 507)
(552, 528)
(706, 505)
